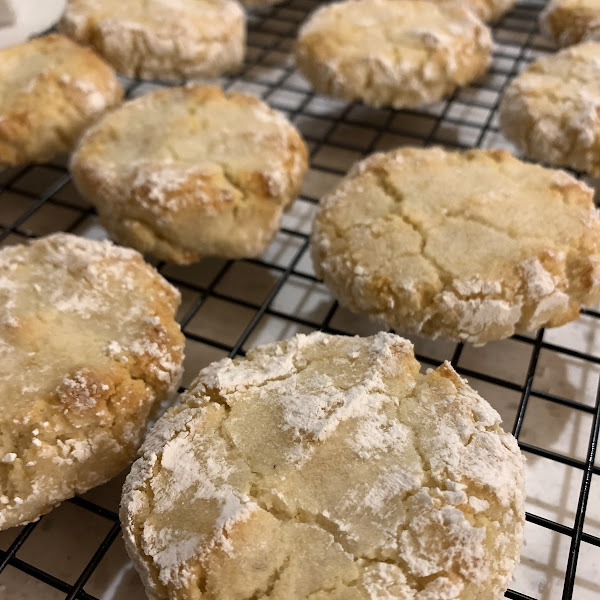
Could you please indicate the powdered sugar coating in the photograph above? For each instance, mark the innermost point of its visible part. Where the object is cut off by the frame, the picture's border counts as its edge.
(191, 171)
(550, 111)
(89, 344)
(349, 474)
(453, 245)
(385, 53)
(168, 39)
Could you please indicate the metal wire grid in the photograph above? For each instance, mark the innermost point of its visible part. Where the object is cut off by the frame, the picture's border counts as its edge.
(346, 132)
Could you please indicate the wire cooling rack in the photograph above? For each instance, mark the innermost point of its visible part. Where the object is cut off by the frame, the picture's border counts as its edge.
(544, 386)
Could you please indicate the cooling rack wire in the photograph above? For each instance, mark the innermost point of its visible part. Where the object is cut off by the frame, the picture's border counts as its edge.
(545, 386)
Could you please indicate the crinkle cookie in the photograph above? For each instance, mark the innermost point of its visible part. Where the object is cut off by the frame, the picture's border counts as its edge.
(468, 246)
(164, 39)
(568, 22)
(551, 110)
(88, 347)
(326, 467)
(51, 89)
(386, 52)
(488, 10)
(185, 172)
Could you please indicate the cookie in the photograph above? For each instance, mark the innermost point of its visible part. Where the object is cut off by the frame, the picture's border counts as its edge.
(550, 110)
(568, 22)
(471, 246)
(161, 38)
(488, 10)
(51, 89)
(186, 172)
(385, 52)
(326, 467)
(88, 347)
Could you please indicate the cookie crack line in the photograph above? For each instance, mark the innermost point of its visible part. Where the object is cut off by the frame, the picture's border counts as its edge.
(258, 494)
(390, 190)
(306, 517)
(273, 579)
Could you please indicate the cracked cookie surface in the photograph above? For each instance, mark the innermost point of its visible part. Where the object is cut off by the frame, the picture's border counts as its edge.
(326, 467)
(185, 172)
(51, 89)
(568, 22)
(384, 52)
(88, 347)
(551, 110)
(470, 246)
(164, 39)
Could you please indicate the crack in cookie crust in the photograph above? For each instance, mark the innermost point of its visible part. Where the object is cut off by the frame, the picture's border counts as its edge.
(326, 467)
(404, 239)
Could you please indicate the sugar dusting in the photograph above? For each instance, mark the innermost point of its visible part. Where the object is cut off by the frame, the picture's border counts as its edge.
(192, 166)
(185, 460)
(171, 38)
(82, 300)
(192, 470)
(420, 45)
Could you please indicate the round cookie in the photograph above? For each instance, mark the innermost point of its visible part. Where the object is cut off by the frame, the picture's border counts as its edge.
(89, 346)
(185, 172)
(385, 52)
(162, 39)
(550, 110)
(470, 246)
(568, 22)
(326, 467)
(488, 10)
(51, 89)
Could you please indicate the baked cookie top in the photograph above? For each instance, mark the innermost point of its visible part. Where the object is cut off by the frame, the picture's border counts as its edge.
(386, 52)
(550, 110)
(88, 343)
(326, 467)
(51, 89)
(168, 39)
(568, 22)
(488, 10)
(203, 172)
(468, 246)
